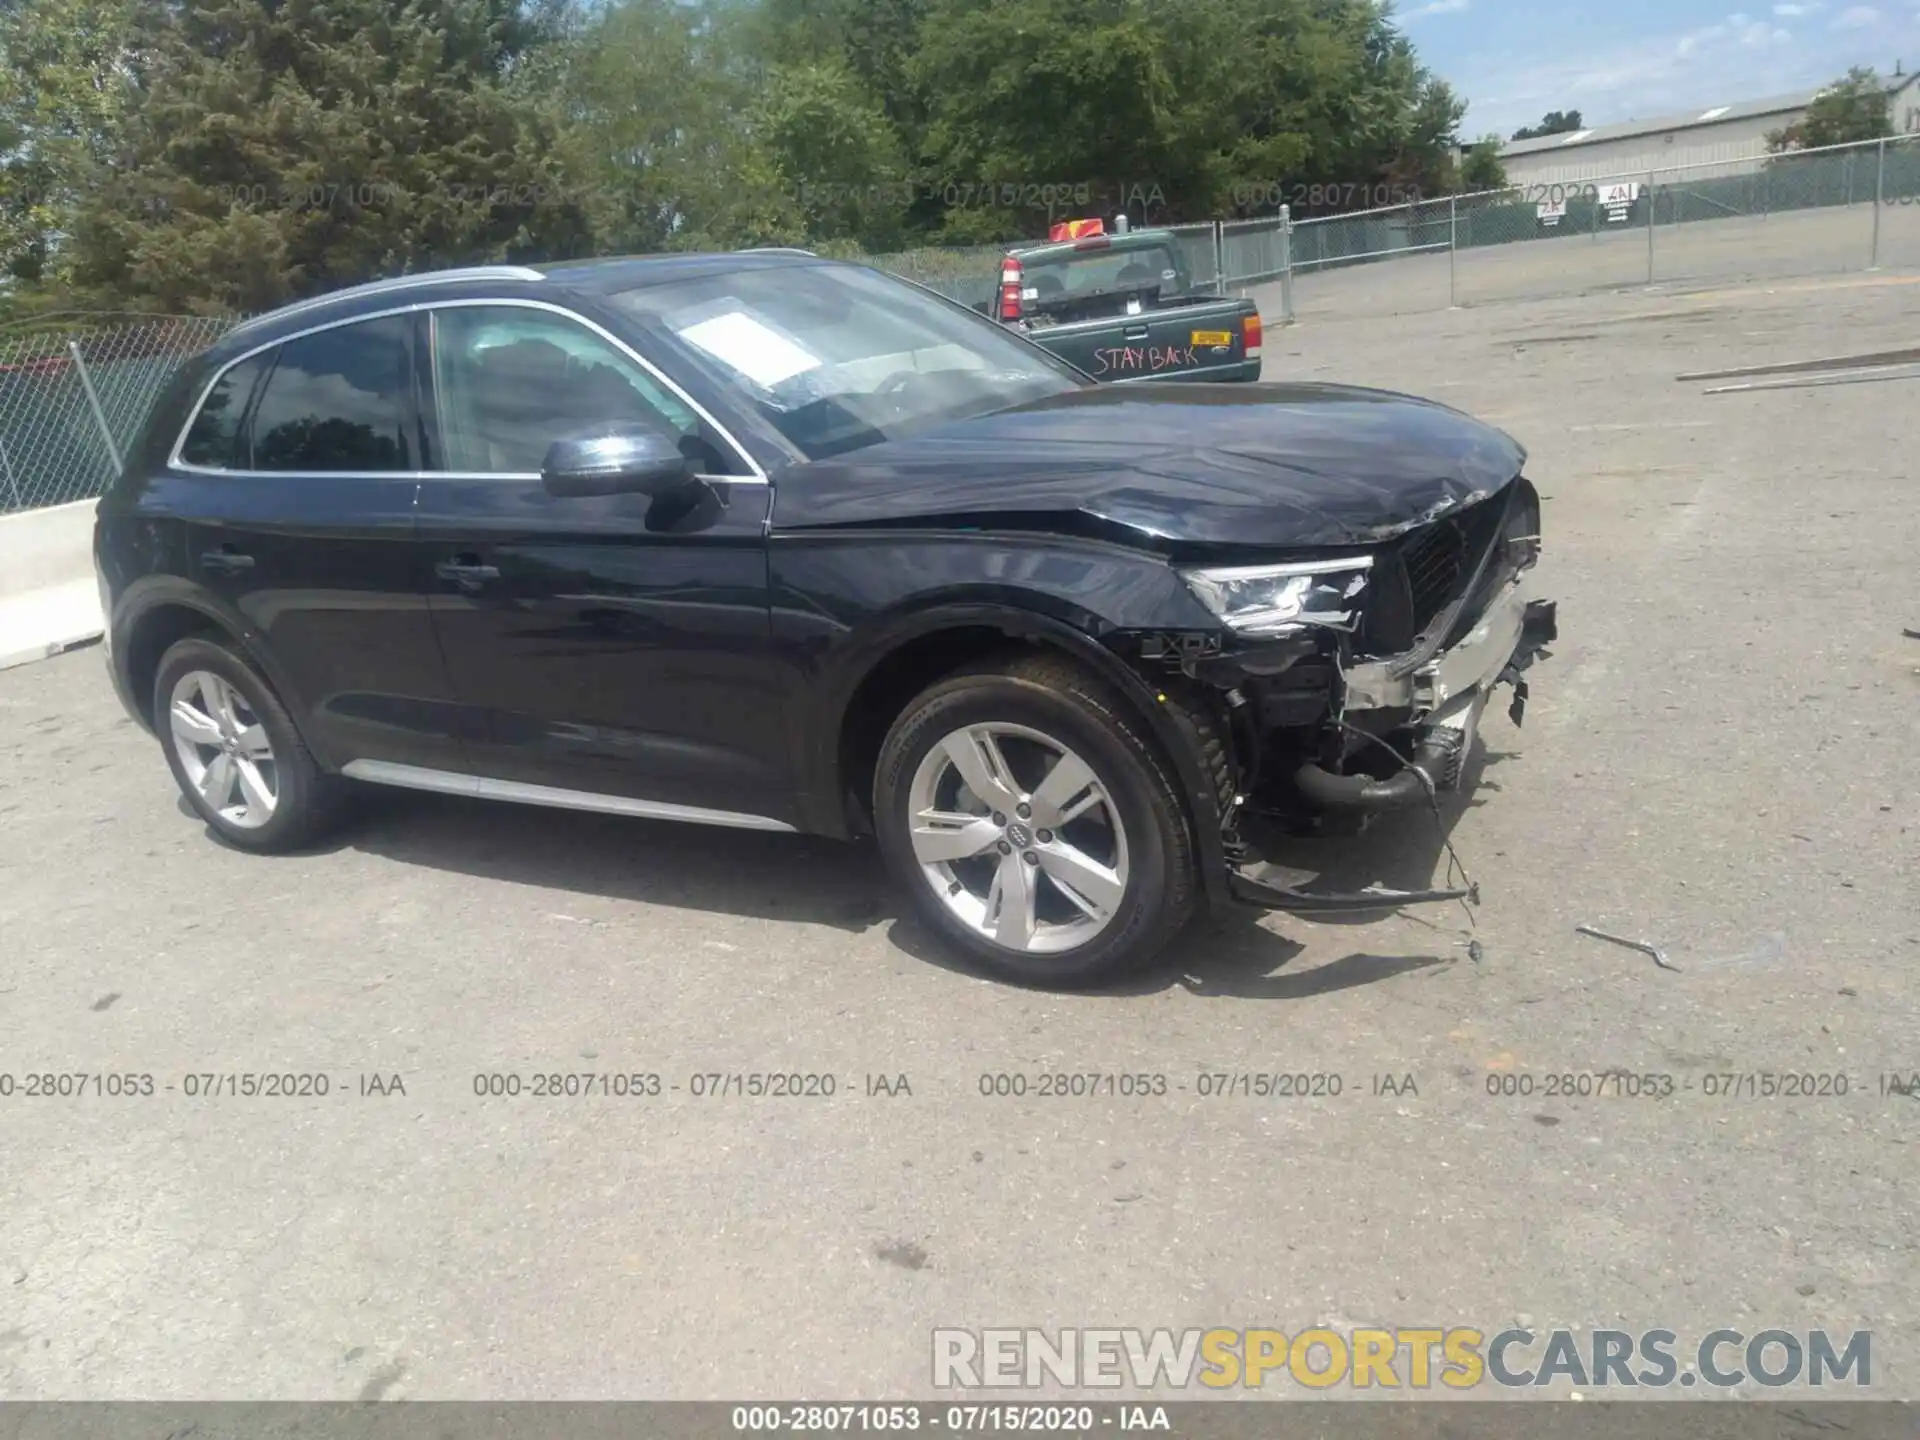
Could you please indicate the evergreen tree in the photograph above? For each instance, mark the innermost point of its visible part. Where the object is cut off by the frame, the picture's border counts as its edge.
(284, 147)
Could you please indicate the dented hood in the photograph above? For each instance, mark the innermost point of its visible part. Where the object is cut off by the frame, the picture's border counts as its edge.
(1260, 464)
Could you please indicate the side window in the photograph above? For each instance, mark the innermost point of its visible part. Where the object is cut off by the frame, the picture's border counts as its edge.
(338, 399)
(509, 381)
(211, 441)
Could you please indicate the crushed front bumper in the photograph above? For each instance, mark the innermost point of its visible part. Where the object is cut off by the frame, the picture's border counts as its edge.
(1442, 694)
(1437, 696)
(1429, 681)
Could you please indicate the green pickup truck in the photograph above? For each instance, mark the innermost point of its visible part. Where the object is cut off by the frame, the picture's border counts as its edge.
(1124, 307)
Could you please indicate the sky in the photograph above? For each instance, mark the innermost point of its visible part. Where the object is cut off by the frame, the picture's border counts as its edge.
(1514, 60)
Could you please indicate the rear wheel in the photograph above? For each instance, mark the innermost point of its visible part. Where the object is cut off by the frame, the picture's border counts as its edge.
(1029, 815)
(234, 751)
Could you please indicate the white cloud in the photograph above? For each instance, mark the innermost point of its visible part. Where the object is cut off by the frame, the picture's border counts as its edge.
(1737, 29)
(1795, 11)
(1437, 7)
(1736, 58)
(1856, 17)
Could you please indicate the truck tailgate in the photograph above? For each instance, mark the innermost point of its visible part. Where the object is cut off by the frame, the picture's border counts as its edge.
(1201, 341)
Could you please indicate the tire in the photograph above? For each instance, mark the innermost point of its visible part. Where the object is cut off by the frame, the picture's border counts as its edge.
(1027, 705)
(306, 801)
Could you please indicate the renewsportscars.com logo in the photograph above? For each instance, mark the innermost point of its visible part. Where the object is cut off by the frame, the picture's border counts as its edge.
(1457, 1357)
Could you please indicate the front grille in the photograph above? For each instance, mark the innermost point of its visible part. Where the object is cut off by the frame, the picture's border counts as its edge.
(1418, 576)
(1436, 565)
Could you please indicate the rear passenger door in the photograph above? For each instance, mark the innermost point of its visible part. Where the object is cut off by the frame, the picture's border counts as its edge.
(299, 506)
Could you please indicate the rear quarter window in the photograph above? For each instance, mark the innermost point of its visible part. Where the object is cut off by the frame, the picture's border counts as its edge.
(212, 442)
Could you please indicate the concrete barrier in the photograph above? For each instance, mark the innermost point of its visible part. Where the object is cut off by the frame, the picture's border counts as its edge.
(49, 600)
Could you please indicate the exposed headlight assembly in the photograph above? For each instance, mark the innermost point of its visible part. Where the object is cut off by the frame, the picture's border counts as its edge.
(1276, 600)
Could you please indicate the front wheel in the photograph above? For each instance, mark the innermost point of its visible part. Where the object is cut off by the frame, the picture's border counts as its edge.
(1029, 814)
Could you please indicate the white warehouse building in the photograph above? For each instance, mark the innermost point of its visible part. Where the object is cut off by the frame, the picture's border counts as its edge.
(1730, 136)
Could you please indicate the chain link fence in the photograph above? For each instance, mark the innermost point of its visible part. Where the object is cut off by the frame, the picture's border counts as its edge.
(1199, 247)
(969, 274)
(1846, 208)
(52, 447)
(1811, 212)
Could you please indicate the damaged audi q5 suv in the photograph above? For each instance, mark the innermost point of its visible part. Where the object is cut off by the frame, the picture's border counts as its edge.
(767, 541)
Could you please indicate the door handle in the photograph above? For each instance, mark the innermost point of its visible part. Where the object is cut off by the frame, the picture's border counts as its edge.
(466, 571)
(1137, 332)
(226, 560)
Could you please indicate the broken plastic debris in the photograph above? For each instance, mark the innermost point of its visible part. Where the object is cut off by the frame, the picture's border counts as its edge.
(1640, 945)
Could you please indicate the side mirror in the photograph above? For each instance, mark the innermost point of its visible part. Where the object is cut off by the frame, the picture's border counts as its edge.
(621, 459)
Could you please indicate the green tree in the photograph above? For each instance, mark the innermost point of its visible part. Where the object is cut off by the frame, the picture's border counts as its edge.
(1404, 122)
(873, 39)
(1023, 95)
(229, 154)
(1322, 103)
(830, 140)
(1480, 167)
(1852, 109)
(653, 98)
(67, 74)
(1557, 122)
(283, 147)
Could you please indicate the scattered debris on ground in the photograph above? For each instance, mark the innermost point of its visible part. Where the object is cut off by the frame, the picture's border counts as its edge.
(1659, 958)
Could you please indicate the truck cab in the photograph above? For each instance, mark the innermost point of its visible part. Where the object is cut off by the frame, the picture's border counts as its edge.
(1123, 306)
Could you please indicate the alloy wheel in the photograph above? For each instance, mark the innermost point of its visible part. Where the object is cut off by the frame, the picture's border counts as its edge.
(223, 749)
(1019, 838)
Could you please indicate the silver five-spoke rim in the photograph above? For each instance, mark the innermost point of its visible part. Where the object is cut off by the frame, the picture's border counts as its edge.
(1019, 838)
(223, 748)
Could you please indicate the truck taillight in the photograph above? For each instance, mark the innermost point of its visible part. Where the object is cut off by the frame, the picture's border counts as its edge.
(1010, 282)
(1250, 337)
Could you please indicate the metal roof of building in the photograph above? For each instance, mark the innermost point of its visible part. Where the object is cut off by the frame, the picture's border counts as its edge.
(1686, 120)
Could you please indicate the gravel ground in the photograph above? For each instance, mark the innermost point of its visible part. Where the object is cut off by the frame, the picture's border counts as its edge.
(1719, 757)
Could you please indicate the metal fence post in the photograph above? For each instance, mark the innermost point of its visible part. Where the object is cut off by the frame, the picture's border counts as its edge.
(1650, 175)
(6, 469)
(93, 399)
(1879, 200)
(1453, 250)
(1286, 263)
(1219, 257)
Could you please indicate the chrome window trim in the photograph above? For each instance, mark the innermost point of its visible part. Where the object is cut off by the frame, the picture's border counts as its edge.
(399, 282)
(756, 475)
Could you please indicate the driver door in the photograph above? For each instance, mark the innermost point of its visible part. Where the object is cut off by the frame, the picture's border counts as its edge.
(615, 647)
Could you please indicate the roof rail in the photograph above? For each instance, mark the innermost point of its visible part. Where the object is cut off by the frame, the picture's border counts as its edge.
(779, 250)
(400, 282)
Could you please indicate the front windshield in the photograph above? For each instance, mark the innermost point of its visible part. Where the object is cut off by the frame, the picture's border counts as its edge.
(839, 356)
